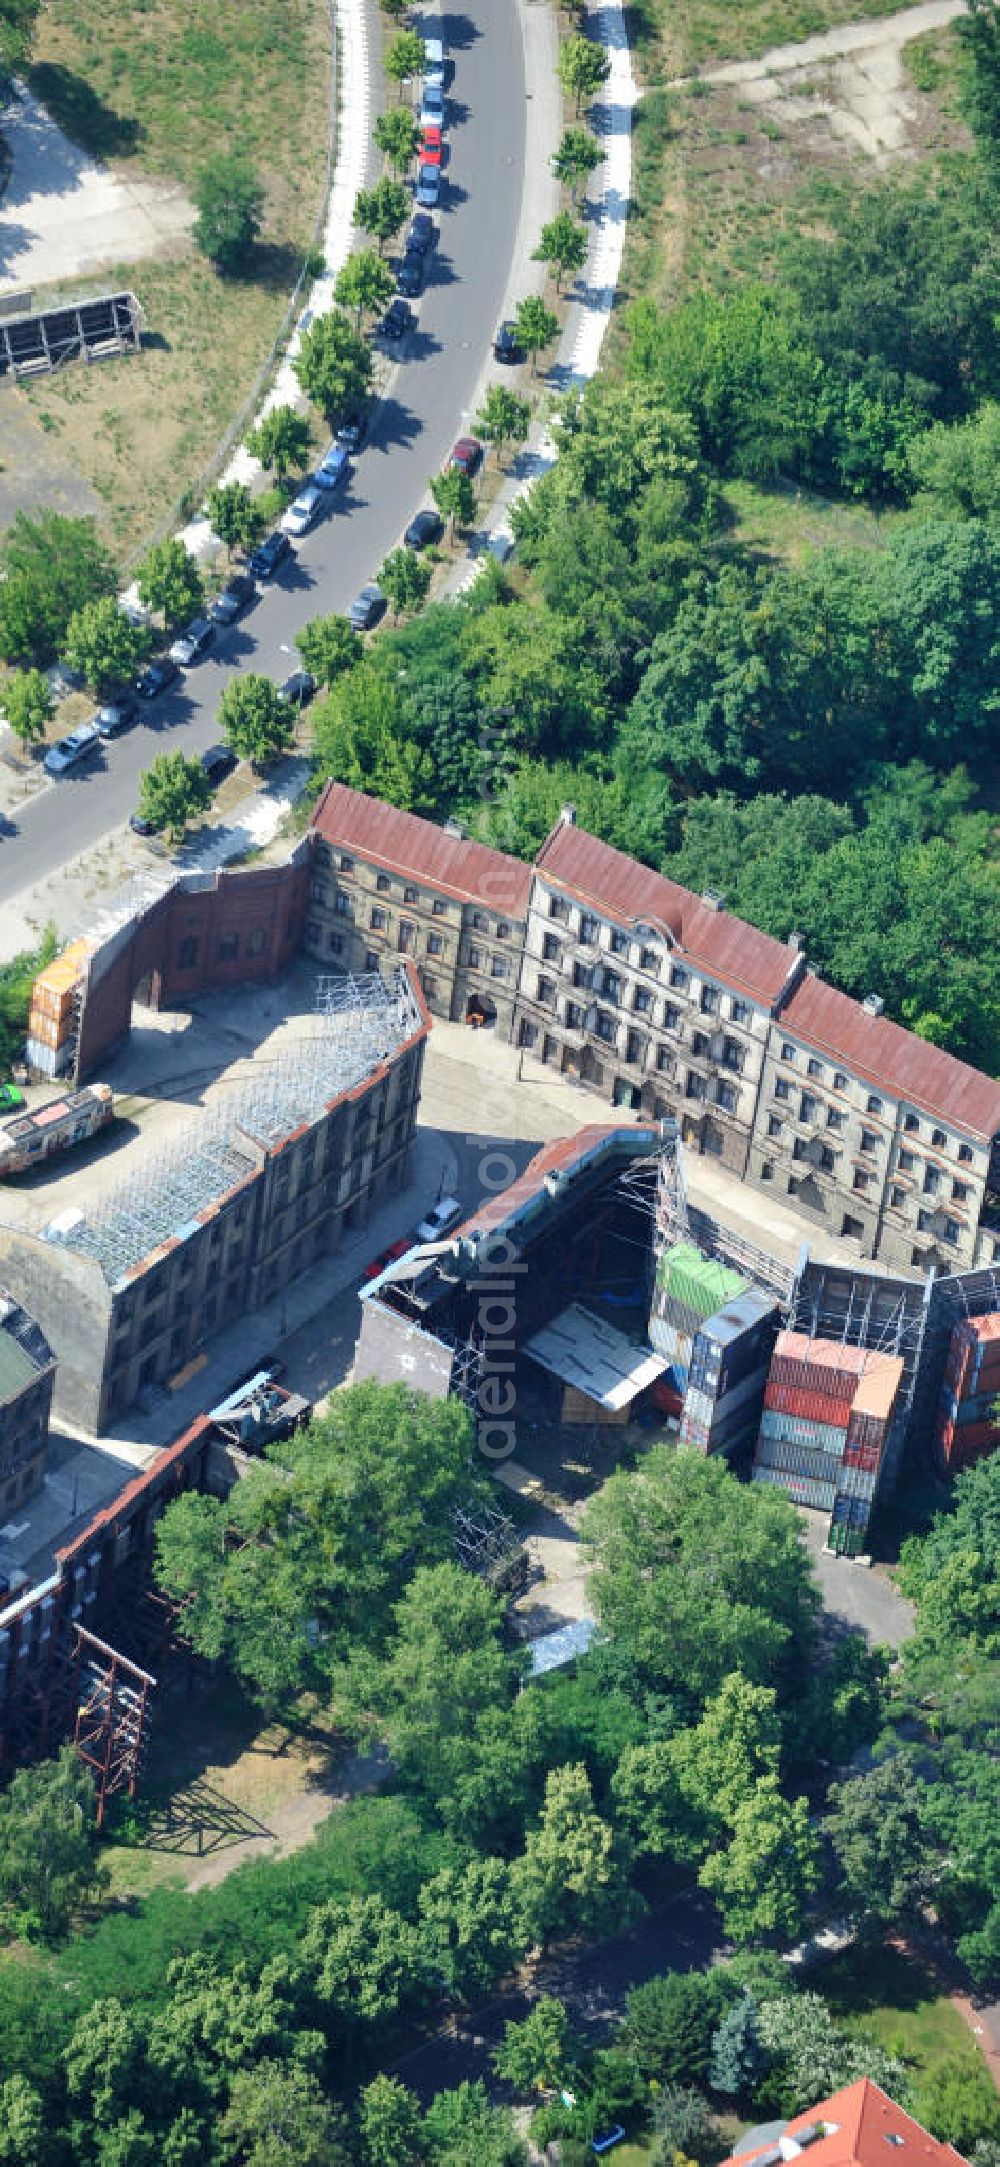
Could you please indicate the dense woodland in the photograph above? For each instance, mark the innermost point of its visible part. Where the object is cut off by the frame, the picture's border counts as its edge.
(708, 1739)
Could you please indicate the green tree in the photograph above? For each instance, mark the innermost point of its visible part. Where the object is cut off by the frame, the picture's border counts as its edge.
(955, 466)
(462, 2128)
(979, 32)
(171, 791)
(569, 1877)
(736, 1743)
(254, 719)
(536, 327)
(683, 2126)
(366, 1963)
(104, 2061)
(503, 418)
(103, 644)
(360, 736)
(278, 2117)
(403, 58)
(814, 2057)
(959, 2104)
(404, 578)
(300, 1585)
(444, 1667)
(582, 67)
(699, 1576)
(562, 246)
(169, 581)
(233, 515)
(17, 29)
(28, 704)
(229, 201)
(535, 2054)
(397, 134)
(454, 494)
(738, 2058)
(48, 1844)
(652, 1806)
(389, 2120)
(764, 1878)
(381, 211)
(469, 1925)
(281, 441)
(877, 1824)
(364, 284)
(329, 647)
(579, 154)
(49, 567)
(670, 2023)
(23, 2133)
(334, 366)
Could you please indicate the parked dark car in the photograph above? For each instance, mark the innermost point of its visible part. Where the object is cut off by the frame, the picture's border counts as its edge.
(467, 455)
(236, 596)
(422, 234)
(298, 689)
(190, 645)
(115, 716)
(352, 432)
(140, 825)
(411, 273)
(155, 678)
(218, 762)
(263, 562)
(367, 608)
(424, 527)
(398, 319)
(506, 345)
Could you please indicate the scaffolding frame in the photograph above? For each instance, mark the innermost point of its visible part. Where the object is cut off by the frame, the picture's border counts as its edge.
(113, 1717)
(359, 1022)
(488, 1544)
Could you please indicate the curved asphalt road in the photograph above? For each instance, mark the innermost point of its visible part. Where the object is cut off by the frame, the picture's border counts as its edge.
(428, 406)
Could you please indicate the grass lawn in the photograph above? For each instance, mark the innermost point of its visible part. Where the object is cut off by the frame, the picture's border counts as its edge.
(883, 1993)
(740, 29)
(789, 522)
(168, 83)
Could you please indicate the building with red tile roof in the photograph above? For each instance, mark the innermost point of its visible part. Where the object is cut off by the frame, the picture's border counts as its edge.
(858, 2127)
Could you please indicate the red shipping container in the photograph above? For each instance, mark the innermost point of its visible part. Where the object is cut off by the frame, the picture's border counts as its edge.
(964, 1455)
(786, 1399)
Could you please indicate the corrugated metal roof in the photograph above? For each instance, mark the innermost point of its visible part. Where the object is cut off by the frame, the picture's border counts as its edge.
(723, 946)
(590, 1354)
(414, 848)
(899, 1063)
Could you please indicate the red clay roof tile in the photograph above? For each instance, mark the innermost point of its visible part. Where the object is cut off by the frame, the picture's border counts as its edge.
(896, 1061)
(418, 849)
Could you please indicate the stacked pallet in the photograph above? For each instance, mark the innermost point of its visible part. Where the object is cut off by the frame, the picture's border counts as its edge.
(968, 1419)
(730, 1361)
(828, 1409)
(689, 1288)
(54, 1011)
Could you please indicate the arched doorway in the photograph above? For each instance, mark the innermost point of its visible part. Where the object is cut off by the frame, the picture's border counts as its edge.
(480, 1012)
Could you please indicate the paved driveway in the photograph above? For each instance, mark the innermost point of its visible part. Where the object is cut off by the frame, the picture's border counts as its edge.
(65, 216)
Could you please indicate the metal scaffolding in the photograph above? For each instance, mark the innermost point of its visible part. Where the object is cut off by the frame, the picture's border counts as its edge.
(488, 1544)
(112, 1717)
(359, 1023)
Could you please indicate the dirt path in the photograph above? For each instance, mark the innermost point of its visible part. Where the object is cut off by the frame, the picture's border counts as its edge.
(294, 1820)
(853, 78)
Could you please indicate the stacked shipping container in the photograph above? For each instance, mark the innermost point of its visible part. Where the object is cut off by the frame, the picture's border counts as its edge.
(689, 1288)
(52, 1017)
(827, 1413)
(968, 1420)
(730, 1359)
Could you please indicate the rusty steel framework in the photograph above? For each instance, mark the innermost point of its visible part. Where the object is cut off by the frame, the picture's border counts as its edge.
(113, 1716)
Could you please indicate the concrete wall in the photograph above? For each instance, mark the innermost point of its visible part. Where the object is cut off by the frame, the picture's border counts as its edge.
(69, 1299)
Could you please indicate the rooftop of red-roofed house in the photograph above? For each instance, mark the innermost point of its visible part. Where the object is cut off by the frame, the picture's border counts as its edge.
(631, 893)
(895, 1060)
(858, 2127)
(419, 850)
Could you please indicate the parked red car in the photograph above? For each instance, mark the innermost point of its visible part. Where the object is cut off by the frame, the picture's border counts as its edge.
(466, 454)
(430, 147)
